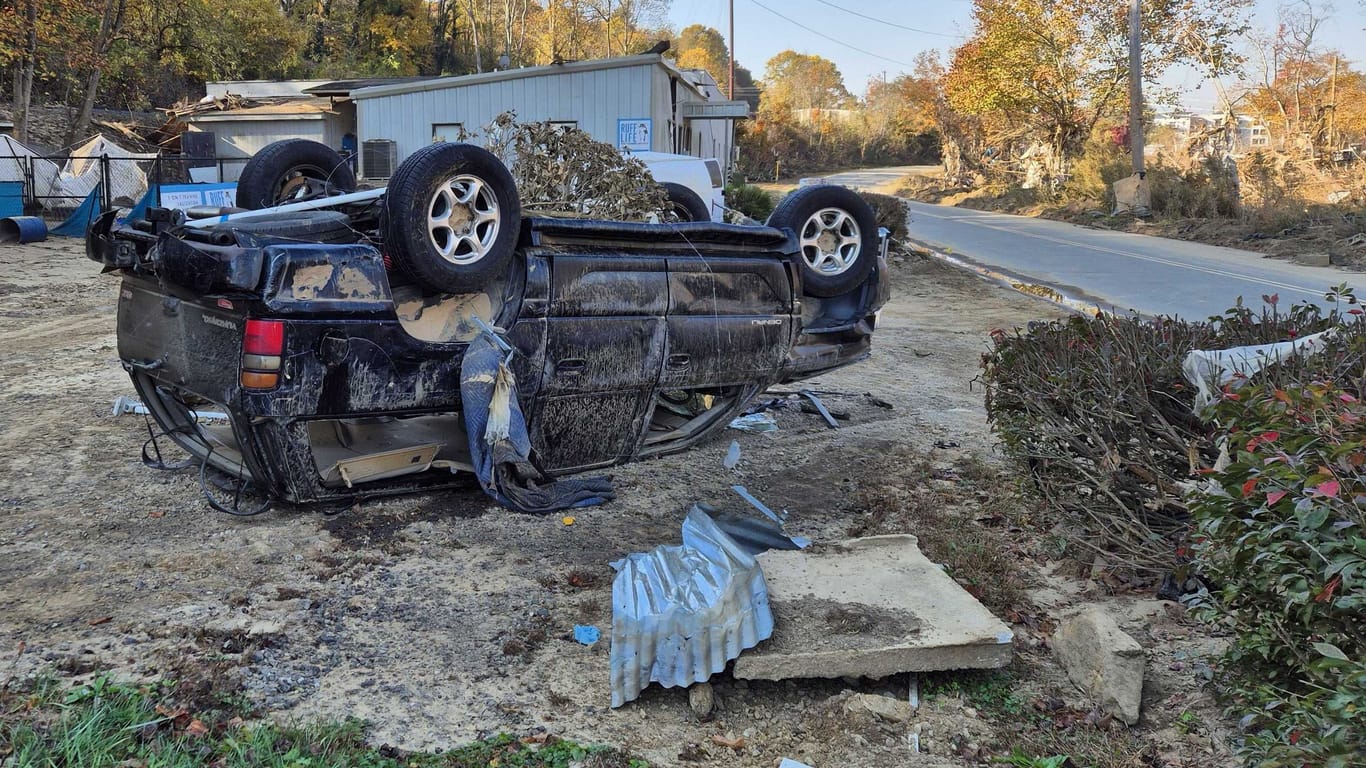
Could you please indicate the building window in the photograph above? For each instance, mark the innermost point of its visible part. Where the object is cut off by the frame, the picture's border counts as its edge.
(564, 125)
(448, 132)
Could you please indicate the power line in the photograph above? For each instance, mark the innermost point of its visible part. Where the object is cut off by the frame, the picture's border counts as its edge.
(884, 21)
(827, 37)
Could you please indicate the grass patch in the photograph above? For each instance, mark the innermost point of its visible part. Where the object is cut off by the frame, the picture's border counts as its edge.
(991, 692)
(962, 516)
(103, 723)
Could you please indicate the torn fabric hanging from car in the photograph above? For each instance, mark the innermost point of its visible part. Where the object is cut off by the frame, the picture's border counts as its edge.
(499, 444)
(680, 612)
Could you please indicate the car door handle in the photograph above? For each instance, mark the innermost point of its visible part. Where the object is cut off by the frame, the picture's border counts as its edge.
(571, 365)
(675, 362)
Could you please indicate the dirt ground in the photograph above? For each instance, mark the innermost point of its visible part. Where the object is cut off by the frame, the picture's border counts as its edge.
(443, 618)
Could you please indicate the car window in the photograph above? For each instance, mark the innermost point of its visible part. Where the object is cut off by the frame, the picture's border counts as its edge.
(714, 168)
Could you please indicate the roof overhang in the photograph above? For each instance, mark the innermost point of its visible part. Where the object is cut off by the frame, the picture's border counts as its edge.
(714, 110)
(235, 117)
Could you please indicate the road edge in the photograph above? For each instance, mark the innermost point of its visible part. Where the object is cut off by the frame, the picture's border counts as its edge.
(1017, 283)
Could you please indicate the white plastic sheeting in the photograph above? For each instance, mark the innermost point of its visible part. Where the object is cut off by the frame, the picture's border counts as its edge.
(81, 174)
(1211, 370)
(14, 159)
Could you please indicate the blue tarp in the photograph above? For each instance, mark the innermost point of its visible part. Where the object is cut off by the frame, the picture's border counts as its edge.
(139, 210)
(79, 221)
(501, 451)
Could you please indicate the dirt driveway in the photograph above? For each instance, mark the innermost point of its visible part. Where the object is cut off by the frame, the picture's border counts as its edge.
(438, 618)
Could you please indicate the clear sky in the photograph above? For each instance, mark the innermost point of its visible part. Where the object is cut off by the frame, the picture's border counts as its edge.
(890, 47)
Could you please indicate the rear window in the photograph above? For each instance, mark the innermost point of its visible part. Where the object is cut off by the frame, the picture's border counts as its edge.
(714, 168)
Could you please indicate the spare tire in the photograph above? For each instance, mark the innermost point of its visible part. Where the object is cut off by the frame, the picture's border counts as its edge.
(306, 226)
(291, 171)
(451, 217)
(836, 237)
(684, 204)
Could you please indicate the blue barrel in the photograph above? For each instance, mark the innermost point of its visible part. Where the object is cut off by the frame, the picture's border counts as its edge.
(22, 229)
(11, 198)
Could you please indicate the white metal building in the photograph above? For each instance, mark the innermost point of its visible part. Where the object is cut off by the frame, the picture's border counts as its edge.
(635, 102)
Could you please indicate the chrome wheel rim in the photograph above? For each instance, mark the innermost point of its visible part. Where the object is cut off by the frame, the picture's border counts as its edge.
(463, 219)
(830, 241)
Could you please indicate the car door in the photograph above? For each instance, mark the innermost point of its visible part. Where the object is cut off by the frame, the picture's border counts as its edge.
(604, 351)
(730, 320)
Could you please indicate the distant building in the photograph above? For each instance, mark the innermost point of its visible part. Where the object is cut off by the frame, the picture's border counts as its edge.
(817, 115)
(1247, 134)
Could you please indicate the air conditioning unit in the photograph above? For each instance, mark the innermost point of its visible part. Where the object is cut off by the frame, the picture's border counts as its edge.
(379, 158)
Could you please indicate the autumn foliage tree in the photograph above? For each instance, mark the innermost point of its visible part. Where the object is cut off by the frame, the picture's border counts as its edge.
(808, 121)
(143, 53)
(1050, 70)
(1312, 98)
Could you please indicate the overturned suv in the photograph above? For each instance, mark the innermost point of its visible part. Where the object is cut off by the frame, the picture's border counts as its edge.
(328, 325)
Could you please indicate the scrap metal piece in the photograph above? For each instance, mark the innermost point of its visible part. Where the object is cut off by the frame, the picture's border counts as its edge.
(681, 612)
(759, 505)
(752, 534)
(819, 406)
(125, 404)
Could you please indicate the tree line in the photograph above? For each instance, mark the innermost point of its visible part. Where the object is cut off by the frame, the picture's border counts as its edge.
(141, 54)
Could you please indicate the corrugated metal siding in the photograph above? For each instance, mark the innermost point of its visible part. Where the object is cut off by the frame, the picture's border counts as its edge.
(594, 99)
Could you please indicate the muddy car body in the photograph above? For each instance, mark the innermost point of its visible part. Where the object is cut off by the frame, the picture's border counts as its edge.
(340, 377)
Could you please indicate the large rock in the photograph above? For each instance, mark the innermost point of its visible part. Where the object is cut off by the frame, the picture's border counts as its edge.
(1103, 661)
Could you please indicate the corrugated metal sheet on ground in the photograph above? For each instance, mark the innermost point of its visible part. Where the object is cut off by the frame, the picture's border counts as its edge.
(681, 612)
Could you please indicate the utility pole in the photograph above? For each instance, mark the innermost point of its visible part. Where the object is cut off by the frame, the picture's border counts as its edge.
(730, 85)
(1333, 109)
(1135, 88)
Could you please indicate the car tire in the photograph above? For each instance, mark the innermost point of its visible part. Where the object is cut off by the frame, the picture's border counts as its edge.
(451, 217)
(836, 237)
(307, 226)
(290, 171)
(684, 204)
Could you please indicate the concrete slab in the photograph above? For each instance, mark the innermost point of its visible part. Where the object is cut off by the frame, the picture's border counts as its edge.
(873, 607)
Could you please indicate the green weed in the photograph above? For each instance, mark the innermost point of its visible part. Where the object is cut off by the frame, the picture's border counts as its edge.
(103, 723)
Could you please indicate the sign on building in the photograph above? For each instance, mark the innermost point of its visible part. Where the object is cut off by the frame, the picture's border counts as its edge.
(633, 133)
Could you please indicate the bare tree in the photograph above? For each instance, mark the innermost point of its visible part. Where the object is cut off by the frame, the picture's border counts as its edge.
(111, 22)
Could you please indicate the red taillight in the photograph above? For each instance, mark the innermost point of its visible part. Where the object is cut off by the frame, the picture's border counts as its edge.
(264, 337)
(263, 344)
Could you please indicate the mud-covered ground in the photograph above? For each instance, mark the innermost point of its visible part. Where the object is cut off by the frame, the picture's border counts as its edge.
(443, 618)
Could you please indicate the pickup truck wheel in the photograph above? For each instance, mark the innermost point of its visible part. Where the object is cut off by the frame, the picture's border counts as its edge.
(684, 204)
(291, 171)
(451, 217)
(836, 234)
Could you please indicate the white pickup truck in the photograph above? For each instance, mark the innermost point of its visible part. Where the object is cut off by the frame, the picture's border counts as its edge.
(694, 184)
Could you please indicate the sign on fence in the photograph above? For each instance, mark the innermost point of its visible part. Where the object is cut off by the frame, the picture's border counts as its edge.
(183, 196)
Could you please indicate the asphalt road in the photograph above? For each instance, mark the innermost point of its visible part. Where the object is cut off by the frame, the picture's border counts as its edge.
(1114, 270)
